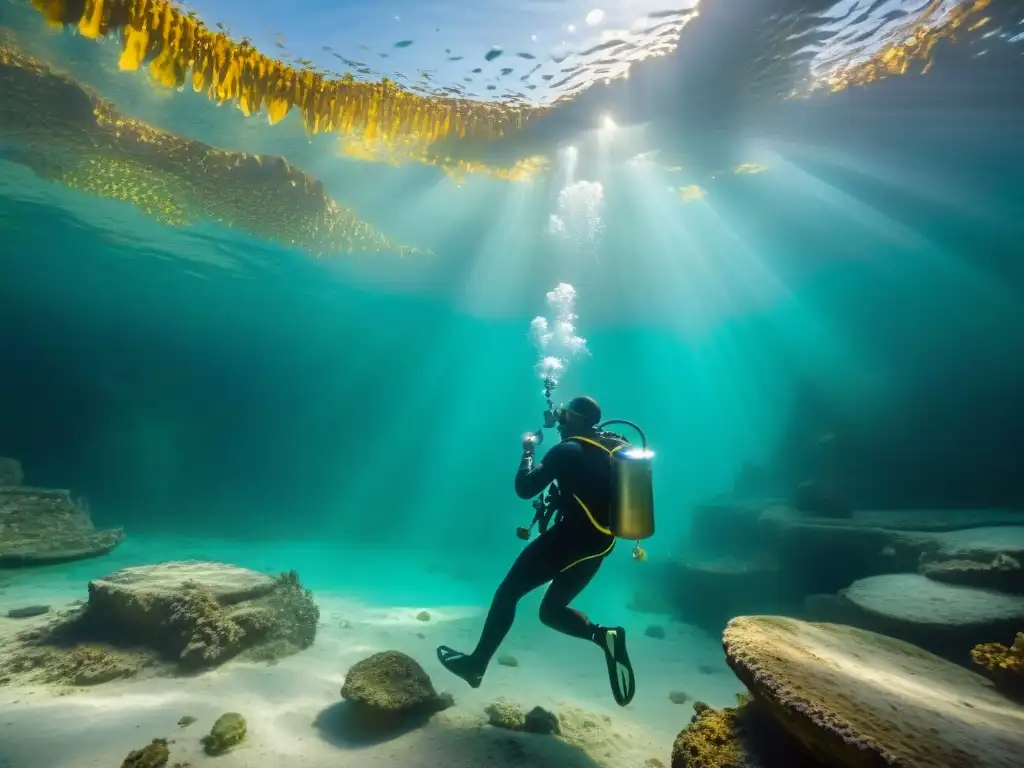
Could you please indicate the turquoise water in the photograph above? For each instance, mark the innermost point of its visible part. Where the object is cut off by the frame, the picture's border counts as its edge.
(358, 418)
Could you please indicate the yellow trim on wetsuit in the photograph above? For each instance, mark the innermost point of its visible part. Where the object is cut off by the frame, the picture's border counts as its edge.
(590, 516)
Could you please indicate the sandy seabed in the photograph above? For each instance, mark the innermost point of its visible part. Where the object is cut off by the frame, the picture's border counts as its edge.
(293, 707)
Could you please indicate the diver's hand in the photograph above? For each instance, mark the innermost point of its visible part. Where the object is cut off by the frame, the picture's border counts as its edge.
(529, 444)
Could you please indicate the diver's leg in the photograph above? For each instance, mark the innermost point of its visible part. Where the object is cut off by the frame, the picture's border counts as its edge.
(565, 587)
(535, 566)
(556, 613)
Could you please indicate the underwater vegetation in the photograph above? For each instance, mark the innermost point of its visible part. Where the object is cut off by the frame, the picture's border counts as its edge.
(180, 49)
(70, 135)
(1004, 664)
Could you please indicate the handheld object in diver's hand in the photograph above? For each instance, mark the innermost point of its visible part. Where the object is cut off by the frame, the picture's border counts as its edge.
(523, 533)
(550, 418)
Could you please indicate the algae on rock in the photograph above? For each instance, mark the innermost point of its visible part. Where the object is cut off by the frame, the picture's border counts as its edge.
(1003, 664)
(193, 614)
(391, 681)
(153, 755)
(228, 731)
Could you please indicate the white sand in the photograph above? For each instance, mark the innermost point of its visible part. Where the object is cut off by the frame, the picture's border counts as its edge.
(293, 709)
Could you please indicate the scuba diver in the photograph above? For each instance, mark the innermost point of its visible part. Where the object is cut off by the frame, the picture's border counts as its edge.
(568, 554)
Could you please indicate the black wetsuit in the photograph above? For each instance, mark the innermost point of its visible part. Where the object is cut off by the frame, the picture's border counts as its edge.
(568, 555)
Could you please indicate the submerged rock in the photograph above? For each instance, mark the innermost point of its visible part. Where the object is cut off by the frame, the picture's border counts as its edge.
(508, 660)
(192, 614)
(541, 721)
(947, 619)
(655, 631)
(1001, 573)
(505, 714)
(43, 527)
(153, 755)
(744, 736)
(1003, 664)
(201, 614)
(228, 731)
(856, 698)
(28, 611)
(389, 687)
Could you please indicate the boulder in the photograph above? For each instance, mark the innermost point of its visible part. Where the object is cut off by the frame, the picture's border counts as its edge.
(855, 698)
(947, 619)
(195, 614)
(42, 527)
(389, 688)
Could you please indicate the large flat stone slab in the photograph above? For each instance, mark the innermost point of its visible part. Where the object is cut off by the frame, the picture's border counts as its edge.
(980, 543)
(912, 599)
(947, 619)
(858, 699)
(163, 583)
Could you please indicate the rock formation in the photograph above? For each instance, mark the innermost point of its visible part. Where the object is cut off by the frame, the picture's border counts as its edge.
(190, 615)
(228, 731)
(763, 556)
(390, 690)
(855, 698)
(947, 619)
(40, 526)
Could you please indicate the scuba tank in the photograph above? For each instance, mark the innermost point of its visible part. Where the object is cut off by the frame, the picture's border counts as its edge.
(631, 505)
(632, 492)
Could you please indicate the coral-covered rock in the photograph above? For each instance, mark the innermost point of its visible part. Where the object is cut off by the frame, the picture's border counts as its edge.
(192, 614)
(153, 755)
(1003, 664)
(43, 527)
(10, 472)
(228, 731)
(946, 619)
(389, 686)
(201, 614)
(505, 714)
(710, 740)
(855, 698)
(744, 736)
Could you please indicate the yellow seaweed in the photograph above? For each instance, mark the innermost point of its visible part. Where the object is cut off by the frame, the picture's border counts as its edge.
(181, 49)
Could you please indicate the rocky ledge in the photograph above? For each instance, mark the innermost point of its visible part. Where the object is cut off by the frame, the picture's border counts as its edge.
(41, 526)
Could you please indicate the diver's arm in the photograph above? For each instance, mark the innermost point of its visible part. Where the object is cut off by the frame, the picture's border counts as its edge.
(531, 479)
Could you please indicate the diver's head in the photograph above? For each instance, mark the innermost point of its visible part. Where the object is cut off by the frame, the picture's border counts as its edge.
(578, 417)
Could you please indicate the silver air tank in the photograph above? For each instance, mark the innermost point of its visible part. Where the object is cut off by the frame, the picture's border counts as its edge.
(632, 492)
